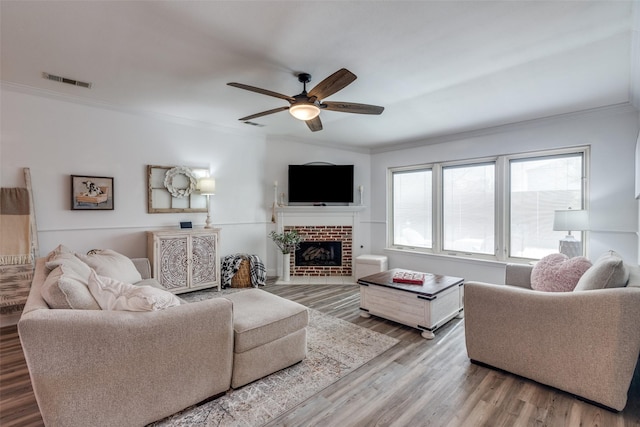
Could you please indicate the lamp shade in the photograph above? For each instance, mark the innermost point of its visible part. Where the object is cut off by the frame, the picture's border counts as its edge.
(304, 111)
(207, 186)
(571, 220)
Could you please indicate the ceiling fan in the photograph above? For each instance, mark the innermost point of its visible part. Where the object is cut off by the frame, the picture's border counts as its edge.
(307, 106)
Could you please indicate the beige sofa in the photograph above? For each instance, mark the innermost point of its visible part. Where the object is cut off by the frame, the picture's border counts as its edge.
(584, 342)
(123, 368)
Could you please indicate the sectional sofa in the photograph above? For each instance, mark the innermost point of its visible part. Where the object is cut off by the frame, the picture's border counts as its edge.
(91, 366)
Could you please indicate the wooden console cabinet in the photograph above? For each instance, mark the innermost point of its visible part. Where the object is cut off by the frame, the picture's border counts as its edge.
(185, 260)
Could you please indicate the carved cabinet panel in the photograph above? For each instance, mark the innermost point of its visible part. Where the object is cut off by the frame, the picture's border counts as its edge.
(185, 260)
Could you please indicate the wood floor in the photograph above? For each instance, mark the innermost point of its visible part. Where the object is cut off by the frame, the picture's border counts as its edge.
(415, 383)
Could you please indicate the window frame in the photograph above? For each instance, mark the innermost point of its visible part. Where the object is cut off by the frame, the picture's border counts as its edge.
(400, 170)
(502, 213)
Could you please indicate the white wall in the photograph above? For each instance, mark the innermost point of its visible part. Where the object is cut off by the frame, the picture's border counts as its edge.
(610, 132)
(56, 139)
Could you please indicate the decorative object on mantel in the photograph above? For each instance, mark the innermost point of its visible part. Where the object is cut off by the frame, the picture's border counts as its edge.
(207, 187)
(172, 189)
(287, 242)
(91, 192)
(361, 191)
(275, 201)
(570, 220)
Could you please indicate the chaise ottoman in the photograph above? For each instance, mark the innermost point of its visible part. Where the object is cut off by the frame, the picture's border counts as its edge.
(270, 333)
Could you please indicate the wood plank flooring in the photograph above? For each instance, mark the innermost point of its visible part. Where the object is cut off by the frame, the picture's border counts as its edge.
(415, 383)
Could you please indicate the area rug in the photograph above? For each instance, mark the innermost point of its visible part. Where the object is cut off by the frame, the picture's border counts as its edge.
(335, 348)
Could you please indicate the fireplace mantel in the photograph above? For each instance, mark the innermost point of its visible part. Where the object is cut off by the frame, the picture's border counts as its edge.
(318, 215)
(329, 220)
(319, 210)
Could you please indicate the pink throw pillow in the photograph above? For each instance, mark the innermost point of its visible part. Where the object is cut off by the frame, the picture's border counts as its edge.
(558, 273)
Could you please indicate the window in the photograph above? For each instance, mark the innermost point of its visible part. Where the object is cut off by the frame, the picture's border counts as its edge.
(468, 208)
(540, 186)
(499, 208)
(413, 208)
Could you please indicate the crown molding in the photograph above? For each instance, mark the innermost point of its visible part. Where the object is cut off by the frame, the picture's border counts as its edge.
(58, 96)
(614, 109)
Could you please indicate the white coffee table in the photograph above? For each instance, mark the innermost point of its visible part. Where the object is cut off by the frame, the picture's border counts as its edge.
(425, 306)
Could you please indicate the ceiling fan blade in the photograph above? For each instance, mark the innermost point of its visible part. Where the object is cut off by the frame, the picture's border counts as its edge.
(264, 113)
(351, 107)
(314, 124)
(335, 82)
(262, 91)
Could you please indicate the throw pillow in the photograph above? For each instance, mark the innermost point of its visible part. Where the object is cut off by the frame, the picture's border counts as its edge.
(609, 271)
(64, 288)
(107, 262)
(558, 273)
(113, 294)
(69, 260)
(60, 249)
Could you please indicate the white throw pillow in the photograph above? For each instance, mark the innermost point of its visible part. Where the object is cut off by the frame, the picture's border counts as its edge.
(64, 288)
(71, 262)
(60, 249)
(113, 294)
(109, 263)
(608, 271)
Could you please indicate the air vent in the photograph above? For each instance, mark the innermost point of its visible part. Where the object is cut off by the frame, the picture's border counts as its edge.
(66, 80)
(254, 124)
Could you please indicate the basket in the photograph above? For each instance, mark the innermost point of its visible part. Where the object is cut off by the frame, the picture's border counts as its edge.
(242, 279)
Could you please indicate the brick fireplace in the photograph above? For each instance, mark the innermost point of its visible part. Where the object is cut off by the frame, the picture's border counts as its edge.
(329, 233)
(326, 250)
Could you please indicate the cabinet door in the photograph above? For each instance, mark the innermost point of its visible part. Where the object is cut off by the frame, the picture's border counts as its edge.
(173, 262)
(203, 259)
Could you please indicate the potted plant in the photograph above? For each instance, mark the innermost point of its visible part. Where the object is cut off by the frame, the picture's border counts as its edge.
(287, 242)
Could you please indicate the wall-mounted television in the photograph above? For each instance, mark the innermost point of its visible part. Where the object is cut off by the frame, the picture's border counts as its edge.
(320, 183)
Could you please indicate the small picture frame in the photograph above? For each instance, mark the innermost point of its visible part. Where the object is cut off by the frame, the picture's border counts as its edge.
(91, 192)
(186, 224)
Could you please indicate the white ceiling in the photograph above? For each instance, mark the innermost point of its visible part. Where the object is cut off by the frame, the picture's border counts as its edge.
(438, 67)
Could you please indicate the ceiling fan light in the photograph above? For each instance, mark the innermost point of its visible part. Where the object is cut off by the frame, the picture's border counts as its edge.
(304, 111)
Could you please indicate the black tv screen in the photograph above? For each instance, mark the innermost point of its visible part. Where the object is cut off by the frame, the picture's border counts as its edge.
(320, 183)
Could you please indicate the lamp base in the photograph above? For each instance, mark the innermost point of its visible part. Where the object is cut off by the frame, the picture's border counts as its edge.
(570, 247)
(208, 221)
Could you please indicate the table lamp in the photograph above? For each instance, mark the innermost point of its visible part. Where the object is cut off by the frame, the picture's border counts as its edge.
(570, 220)
(207, 188)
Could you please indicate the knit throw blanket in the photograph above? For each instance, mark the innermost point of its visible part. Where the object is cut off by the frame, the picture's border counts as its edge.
(15, 226)
(231, 265)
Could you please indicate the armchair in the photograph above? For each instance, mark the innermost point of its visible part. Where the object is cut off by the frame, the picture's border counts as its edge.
(583, 342)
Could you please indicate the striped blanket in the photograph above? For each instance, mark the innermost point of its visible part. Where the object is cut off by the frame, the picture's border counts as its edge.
(15, 283)
(15, 227)
(231, 265)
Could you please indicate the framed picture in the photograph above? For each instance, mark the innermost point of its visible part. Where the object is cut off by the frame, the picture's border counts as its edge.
(91, 192)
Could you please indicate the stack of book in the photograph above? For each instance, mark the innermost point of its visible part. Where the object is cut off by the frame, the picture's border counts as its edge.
(410, 277)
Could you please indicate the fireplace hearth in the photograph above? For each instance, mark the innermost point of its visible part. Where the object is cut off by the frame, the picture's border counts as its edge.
(319, 254)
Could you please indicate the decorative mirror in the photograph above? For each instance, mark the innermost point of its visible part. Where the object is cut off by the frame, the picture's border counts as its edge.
(173, 189)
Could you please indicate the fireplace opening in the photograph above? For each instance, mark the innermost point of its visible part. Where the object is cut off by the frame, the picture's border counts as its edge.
(324, 254)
